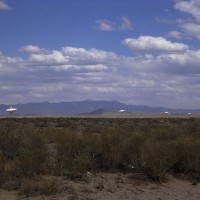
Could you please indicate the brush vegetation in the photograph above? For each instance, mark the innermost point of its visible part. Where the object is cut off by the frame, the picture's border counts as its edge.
(44, 149)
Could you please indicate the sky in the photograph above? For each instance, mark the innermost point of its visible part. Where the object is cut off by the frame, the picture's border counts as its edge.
(137, 52)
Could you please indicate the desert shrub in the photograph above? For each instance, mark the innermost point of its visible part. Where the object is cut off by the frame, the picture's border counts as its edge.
(28, 187)
(10, 141)
(31, 162)
(188, 157)
(51, 134)
(157, 159)
(75, 153)
(23, 149)
(193, 125)
(165, 134)
(73, 146)
(113, 146)
(33, 154)
(133, 150)
(42, 122)
(48, 185)
(3, 173)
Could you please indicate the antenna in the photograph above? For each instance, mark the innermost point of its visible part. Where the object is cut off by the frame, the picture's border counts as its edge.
(11, 110)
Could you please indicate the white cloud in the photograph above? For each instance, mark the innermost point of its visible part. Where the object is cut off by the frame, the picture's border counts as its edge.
(106, 25)
(32, 49)
(175, 34)
(191, 29)
(71, 59)
(71, 73)
(154, 44)
(186, 63)
(80, 69)
(125, 24)
(54, 57)
(91, 56)
(191, 7)
(4, 5)
(189, 26)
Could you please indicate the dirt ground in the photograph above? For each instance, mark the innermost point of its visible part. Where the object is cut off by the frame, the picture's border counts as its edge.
(115, 186)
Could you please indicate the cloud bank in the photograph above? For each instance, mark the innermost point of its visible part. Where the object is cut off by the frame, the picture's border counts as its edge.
(170, 78)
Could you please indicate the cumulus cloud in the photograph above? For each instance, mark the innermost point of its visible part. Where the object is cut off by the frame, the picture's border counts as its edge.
(72, 73)
(68, 56)
(180, 64)
(154, 44)
(54, 57)
(32, 49)
(191, 29)
(91, 56)
(189, 26)
(4, 5)
(191, 7)
(70, 60)
(107, 25)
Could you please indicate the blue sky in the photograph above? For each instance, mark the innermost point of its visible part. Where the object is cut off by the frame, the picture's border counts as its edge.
(136, 52)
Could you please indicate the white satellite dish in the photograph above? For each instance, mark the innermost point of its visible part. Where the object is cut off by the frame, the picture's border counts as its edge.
(11, 110)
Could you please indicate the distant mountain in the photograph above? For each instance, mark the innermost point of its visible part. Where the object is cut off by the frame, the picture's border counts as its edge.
(94, 107)
(95, 112)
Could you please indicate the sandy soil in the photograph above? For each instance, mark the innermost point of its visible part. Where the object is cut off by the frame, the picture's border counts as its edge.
(107, 186)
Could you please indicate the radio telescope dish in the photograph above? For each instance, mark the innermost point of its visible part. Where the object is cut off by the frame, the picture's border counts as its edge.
(11, 110)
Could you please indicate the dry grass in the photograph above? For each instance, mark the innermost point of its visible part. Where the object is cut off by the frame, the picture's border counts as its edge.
(45, 185)
(70, 147)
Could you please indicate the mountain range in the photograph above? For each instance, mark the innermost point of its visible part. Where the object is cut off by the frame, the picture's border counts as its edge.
(87, 107)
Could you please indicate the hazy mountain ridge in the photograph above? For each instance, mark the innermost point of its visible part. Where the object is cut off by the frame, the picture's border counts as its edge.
(80, 107)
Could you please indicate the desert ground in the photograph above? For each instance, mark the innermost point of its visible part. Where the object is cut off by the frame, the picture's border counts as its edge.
(115, 186)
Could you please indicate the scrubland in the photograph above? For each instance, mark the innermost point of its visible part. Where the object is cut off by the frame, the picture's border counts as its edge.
(37, 153)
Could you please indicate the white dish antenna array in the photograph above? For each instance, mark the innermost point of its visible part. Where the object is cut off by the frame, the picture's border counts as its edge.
(11, 110)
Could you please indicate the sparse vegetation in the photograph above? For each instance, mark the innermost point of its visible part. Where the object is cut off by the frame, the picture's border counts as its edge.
(70, 147)
(39, 185)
